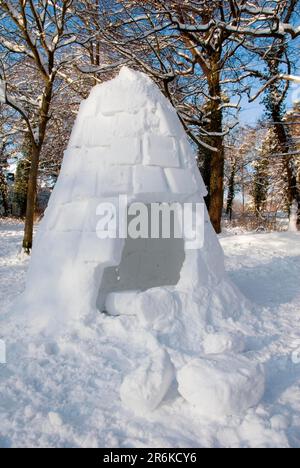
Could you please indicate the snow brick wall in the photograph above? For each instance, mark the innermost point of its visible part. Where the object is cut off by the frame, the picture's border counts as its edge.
(128, 140)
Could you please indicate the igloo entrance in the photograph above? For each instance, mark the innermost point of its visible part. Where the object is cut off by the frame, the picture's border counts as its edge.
(145, 264)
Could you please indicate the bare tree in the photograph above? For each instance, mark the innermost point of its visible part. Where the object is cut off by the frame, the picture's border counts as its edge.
(3, 183)
(277, 56)
(193, 50)
(238, 154)
(292, 122)
(37, 38)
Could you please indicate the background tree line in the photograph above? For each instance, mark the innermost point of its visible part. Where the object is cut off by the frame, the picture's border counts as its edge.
(208, 58)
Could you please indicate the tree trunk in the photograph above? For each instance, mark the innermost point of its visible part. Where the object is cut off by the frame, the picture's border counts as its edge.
(213, 161)
(276, 110)
(231, 192)
(293, 192)
(34, 167)
(205, 169)
(3, 191)
(31, 198)
(214, 168)
(217, 190)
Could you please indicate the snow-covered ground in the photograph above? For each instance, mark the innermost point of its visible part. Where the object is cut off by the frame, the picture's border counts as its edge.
(64, 392)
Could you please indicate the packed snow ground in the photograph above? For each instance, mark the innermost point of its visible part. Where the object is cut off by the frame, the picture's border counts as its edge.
(64, 392)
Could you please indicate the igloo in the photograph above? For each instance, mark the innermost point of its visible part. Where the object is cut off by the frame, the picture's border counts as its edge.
(186, 315)
(127, 140)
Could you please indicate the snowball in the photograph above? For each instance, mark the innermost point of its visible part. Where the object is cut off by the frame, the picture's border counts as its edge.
(29, 412)
(218, 343)
(145, 388)
(55, 419)
(222, 386)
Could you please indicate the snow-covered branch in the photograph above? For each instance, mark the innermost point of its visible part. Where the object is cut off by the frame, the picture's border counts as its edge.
(295, 79)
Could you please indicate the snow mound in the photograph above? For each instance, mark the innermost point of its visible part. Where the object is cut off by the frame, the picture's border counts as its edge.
(222, 386)
(145, 388)
(218, 343)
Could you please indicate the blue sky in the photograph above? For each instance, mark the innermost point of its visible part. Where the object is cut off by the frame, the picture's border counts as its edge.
(252, 112)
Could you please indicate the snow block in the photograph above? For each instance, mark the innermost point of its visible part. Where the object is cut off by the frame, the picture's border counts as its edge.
(97, 210)
(87, 109)
(71, 161)
(129, 125)
(189, 161)
(85, 185)
(105, 251)
(181, 181)
(63, 190)
(188, 155)
(97, 131)
(114, 180)
(169, 125)
(156, 309)
(71, 217)
(149, 180)
(76, 135)
(144, 389)
(113, 103)
(222, 386)
(218, 343)
(121, 303)
(161, 151)
(95, 157)
(48, 223)
(125, 151)
(202, 189)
